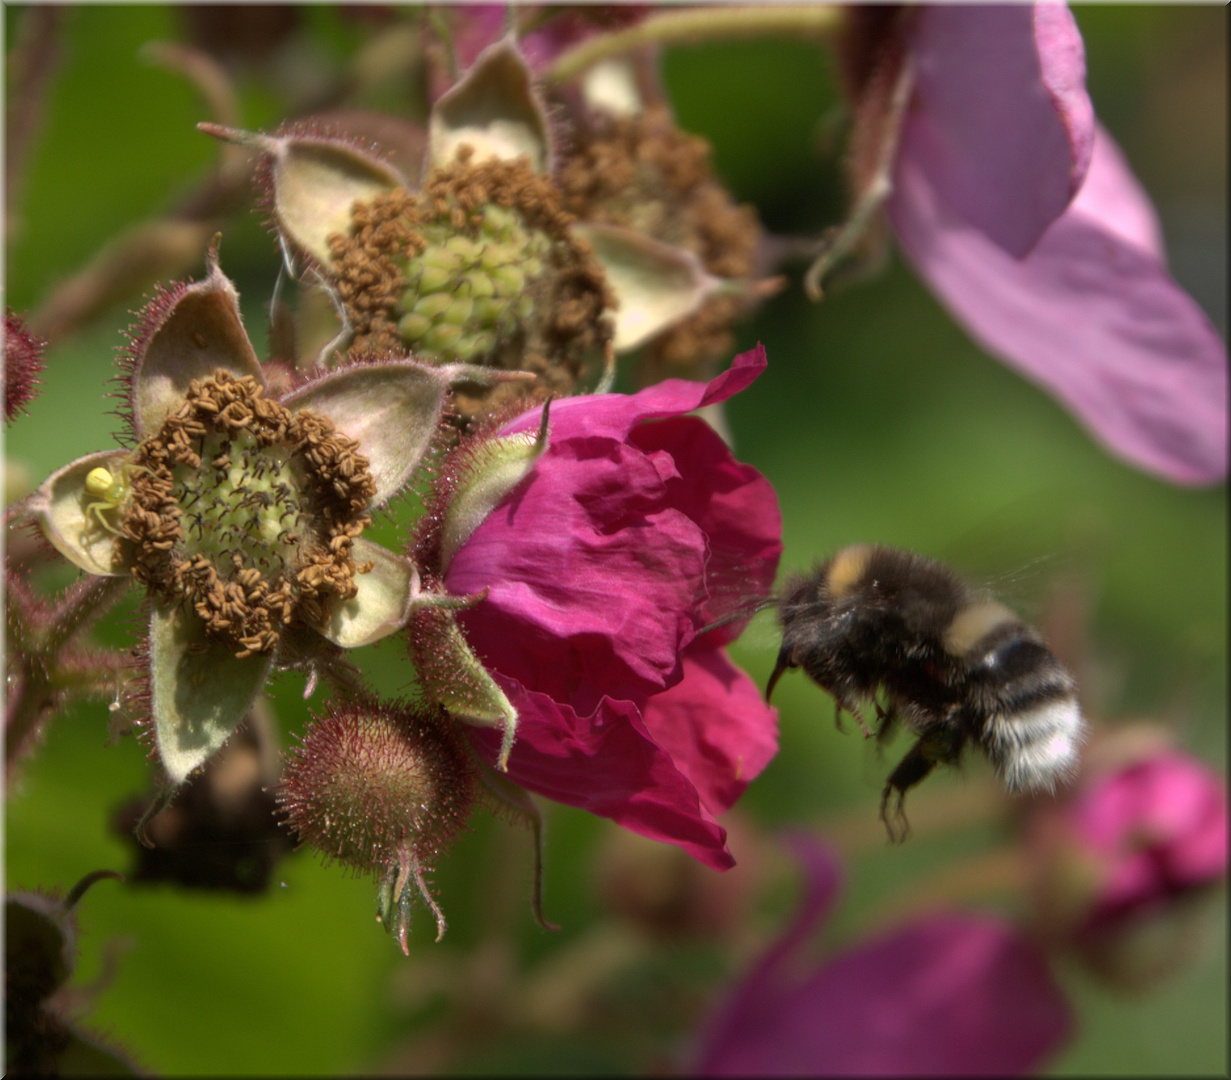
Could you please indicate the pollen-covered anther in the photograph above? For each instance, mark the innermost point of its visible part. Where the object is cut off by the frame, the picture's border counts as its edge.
(480, 267)
(643, 173)
(247, 512)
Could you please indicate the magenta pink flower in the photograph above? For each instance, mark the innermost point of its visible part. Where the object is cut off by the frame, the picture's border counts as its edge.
(601, 571)
(1022, 216)
(946, 995)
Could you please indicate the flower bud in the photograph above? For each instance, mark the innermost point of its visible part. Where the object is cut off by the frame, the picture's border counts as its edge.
(1120, 868)
(384, 788)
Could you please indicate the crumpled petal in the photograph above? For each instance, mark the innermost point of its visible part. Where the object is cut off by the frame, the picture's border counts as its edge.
(1001, 124)
(607, 762)
(596, 597)
(715, 725)
(733, 504)
(946, 995)
(1090, 315)
(601, 570)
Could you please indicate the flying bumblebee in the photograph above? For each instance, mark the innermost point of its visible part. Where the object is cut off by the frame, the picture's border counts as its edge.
(953, 667)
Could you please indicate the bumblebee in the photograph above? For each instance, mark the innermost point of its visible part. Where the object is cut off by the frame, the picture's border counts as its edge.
(952, 666)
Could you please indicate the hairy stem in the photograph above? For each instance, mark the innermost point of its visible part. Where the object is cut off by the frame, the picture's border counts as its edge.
(695, 25)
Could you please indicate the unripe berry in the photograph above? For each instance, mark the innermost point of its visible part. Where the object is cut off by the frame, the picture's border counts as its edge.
(384, 788)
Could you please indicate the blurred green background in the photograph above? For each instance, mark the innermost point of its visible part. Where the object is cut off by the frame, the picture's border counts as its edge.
(876, 420)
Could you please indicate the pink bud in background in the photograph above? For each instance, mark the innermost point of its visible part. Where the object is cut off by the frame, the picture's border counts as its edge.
(1119, 865)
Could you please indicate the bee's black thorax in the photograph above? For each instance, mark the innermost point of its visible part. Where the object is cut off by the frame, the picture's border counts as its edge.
(950, 664)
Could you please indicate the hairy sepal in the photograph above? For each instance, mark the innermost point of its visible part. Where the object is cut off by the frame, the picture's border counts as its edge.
(485, 473)
(187, 333)
(382, 603)
(494, 110)
(316, 180)
(452, 675)
(62, 505)
(656, 285)
(199, 691)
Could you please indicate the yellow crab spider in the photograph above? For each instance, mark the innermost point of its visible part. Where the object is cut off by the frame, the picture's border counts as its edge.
(109, 490)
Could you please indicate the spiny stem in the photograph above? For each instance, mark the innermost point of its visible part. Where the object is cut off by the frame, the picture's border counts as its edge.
(41, 680)
(84, 600)
(694, 25)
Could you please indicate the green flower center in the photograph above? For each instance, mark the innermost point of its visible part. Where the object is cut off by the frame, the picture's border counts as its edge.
(467, 293)
(247, 502)
(481, 267)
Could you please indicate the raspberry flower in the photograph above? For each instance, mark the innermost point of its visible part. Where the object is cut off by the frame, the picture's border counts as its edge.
(241, 515)
(590, 585)
(481, 262)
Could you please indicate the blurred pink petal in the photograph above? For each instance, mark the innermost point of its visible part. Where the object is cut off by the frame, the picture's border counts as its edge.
(1156, 829)
(947, 995)
(1091, 314)
(1001, 124)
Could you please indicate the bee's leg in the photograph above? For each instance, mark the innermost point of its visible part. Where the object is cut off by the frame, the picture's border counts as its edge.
(845, 705)
(785, 660)
(911, 770)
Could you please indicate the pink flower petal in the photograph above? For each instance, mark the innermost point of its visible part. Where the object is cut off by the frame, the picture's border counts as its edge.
(1090, 316)
(609, 764)
(615, 415)
(1001, 124)
(593, 576)
(715, 725)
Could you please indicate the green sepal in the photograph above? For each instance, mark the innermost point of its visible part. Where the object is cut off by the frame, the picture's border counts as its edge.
(454, 677)
(61, 507)
(198, 333)
(394, 895)
(485, 475)
(382, 603)
(515, 802)
(656, 285)
(494, 110)
(199, 690)
(392, 410)
(316, 182)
